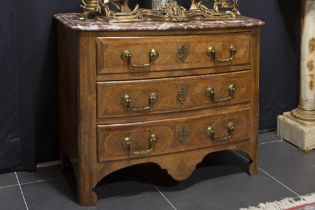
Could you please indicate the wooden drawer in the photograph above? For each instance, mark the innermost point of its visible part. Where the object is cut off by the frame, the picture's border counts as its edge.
(174, 52)
(120, 99)
(136, 140)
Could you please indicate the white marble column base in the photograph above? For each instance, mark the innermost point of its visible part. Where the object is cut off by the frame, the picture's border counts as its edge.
(298, 132)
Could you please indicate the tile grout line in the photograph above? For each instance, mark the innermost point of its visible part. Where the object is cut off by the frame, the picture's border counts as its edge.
(43, 180)
(270, 176)
(283, 185)
(8, 186)
(169, 202)
(17, 178)
(157, 189)
(240, 156)
(34, 182)
(270, 142)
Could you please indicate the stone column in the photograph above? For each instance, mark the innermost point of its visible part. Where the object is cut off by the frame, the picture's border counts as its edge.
(298, 126)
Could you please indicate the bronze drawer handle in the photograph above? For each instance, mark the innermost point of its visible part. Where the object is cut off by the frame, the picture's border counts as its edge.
(211, 52)
(211, 94)
(127, 56)
(127, 101)
(127, 143)
(230, 129)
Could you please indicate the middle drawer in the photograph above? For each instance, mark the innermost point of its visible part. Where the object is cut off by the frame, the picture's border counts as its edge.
(139, 97)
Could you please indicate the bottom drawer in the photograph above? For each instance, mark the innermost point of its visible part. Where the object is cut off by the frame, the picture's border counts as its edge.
(117, 142)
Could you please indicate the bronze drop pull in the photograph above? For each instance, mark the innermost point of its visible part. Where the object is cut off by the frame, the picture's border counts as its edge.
(211, 52)
(212, 135)
(127, 143)
(210, 91)
(127, 102)
(127, 56)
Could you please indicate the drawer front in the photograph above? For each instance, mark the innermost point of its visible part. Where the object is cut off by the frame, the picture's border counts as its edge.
(165, 53)
(169, 136)
(121, 99)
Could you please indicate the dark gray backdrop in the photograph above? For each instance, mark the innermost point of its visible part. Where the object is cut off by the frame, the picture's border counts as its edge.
(28, 103)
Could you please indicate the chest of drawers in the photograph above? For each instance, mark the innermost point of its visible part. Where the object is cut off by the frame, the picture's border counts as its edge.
(164, 93)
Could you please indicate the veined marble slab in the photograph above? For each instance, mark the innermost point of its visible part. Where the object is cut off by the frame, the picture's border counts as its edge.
(73, 21)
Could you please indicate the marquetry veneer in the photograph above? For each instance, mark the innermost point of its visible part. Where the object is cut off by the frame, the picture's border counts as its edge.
(136, 93)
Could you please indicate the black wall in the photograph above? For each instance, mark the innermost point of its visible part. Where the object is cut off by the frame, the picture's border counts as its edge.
(28, 76)
(280, 55)
(10, 142)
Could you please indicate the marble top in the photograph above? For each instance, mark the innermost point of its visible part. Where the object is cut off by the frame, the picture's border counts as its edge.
(73, 21)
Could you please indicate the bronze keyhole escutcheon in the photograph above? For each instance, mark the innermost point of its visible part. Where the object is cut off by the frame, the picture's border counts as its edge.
(182, 95)
(182, 134)
(182, 53)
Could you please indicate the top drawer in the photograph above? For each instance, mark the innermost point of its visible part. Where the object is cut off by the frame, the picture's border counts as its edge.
(165, 53)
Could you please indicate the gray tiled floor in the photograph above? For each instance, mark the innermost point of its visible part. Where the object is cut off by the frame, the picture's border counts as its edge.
(220, 182)
(43, 173)
(11, 198)
(269, 137)
(7, 179)
(292, 166)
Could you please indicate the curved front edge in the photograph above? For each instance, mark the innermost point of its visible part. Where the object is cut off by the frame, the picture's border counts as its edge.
(179, 165)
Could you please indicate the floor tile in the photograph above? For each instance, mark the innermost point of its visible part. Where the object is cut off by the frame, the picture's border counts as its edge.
(7, 179)
(223, 186)
(40, 174)
(131, 196)
(50, 195)
(115, 196)
(268, 137)
(129, 188)
(11, 199)
(289, 165)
